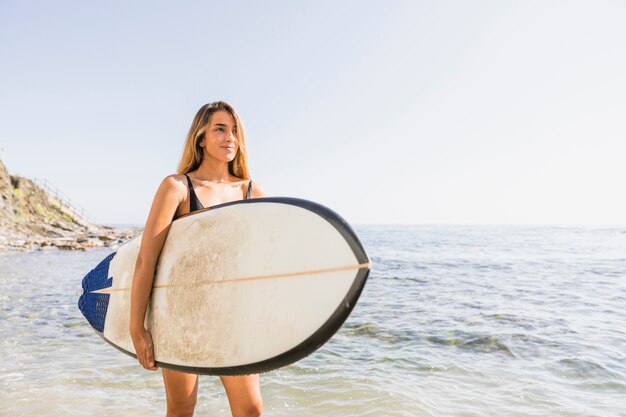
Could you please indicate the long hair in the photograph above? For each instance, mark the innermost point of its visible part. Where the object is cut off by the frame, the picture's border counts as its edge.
(192, 152)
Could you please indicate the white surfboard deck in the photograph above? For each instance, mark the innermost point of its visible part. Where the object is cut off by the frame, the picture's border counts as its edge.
(242, 287)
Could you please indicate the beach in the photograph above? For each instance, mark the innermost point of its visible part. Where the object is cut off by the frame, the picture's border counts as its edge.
(453, 321)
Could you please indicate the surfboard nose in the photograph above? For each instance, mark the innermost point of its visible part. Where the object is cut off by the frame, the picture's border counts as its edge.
(94, 306)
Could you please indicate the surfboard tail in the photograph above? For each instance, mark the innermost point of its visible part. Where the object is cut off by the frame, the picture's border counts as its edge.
(93, 305)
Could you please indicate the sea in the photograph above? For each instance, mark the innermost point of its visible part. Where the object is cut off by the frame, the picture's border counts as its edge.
(454, 320)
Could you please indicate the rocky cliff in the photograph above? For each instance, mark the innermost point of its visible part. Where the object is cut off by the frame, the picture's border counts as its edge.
(32, 218)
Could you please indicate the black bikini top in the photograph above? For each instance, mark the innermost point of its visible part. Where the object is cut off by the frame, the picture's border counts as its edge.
(195, 204)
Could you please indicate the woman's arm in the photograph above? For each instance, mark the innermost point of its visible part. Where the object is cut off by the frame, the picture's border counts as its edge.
(166, 201)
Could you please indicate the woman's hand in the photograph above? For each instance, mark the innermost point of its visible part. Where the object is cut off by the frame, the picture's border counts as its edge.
(142, 340)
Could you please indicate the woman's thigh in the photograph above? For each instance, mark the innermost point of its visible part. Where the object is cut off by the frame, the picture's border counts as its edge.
(244, 394)
(181, 390)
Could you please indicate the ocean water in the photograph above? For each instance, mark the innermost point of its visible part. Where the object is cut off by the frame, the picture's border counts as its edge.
(453, 321)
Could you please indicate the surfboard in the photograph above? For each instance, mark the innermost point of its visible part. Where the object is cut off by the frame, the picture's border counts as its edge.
(242, 287)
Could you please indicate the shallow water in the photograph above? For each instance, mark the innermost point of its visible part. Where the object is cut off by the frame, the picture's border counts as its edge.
(453, 321)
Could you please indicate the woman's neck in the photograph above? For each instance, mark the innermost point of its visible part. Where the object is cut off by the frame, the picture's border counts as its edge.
(213, 170)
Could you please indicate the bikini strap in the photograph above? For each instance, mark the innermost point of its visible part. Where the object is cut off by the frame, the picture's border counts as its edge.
(249, 190)
(194, 203)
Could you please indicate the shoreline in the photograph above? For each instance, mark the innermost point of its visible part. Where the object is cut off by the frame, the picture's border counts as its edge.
(97, 237)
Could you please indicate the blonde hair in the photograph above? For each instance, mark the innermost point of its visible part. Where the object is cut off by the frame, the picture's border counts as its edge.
(193, 153)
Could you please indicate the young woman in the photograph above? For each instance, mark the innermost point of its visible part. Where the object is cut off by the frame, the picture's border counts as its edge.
(213, 170)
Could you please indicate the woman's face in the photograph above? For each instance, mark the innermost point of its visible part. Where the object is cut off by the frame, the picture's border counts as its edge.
(220, 140)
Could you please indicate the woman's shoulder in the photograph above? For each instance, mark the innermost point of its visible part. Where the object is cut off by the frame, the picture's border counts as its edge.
(257, 190)
(174, 180)
(174, 183)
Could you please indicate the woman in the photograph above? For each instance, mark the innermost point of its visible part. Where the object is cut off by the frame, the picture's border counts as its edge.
(213, 170)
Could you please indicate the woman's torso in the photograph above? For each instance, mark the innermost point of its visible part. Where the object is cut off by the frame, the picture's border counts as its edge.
(200, 196)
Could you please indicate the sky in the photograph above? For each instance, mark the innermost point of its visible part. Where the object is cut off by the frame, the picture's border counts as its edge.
(397, 112)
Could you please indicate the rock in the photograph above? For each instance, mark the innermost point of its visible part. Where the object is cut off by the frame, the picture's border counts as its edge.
(30, 218)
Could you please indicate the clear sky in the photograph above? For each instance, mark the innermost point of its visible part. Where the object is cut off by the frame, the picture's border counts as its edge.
(387, 112)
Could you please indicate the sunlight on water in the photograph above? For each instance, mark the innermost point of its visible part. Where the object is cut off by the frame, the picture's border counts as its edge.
(454, 321)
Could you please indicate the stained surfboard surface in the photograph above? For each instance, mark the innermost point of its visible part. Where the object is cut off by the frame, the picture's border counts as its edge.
(242, 287)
